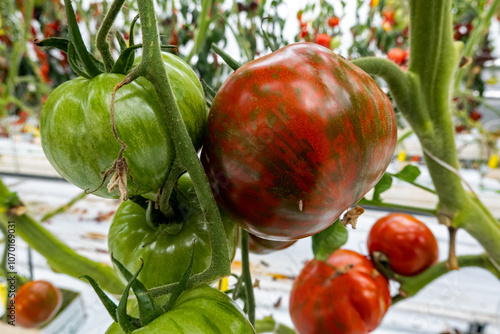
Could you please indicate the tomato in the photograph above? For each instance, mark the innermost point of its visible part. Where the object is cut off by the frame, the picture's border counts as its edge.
(333, 21)
(294, 139)
(344, 295)
(37, 302)
(475, 115)
(263, 246)
(397, 55)
(167, 255)
(77, 136)
(199, 310)
(407, 242)
(323, 40)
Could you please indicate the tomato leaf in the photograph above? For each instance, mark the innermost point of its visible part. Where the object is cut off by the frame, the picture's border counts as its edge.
(107, 302)
(409, 173)
(329, 240)
(384, 184)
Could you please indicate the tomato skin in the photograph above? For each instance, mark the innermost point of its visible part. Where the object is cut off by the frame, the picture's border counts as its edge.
(294, 139)
(199, 310)
(355, 302)
(36, 303)
(261, 246)
(407, 242)
(165, 259)
(333, 21)
(78, 140)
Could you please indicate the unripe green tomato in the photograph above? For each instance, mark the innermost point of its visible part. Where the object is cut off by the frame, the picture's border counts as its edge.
(165, 255)
(77, 135)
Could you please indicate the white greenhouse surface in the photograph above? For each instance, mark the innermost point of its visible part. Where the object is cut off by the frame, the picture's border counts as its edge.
(453, 301)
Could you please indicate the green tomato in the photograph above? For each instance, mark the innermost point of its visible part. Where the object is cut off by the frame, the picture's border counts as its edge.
(167, 255)
(77, 136)
(202, 310)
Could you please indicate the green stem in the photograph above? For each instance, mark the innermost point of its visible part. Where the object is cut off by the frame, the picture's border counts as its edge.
(411, 285)
(413, 209)
(413, 183)
(201, 32)
(153, 69)
(60, 257)
(247, 277)
(102, 35)
(64, 207)
(77, 40)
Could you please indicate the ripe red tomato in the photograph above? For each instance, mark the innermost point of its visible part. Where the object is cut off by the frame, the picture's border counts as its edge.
(294, 139)
(36, 303)
(407, 242)
(263, 246)
(333, 21)
(475, 115)
(397, 55)
(323, 40)
(344, 295)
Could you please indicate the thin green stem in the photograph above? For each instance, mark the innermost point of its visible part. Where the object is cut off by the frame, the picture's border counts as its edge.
(153, 69)
(413, 209)
(432, 191)
(247, 277)
(64, 207)
(77, 40)
(201, 32)
(102, 35)
(412, 285)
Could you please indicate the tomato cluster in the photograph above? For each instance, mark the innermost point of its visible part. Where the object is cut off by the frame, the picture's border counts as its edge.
(346, 294)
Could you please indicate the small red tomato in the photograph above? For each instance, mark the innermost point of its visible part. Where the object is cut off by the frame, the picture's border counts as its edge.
(397, 55)
(344, 295)
(333, 21)
(36, 303)
(323, 40)
(475, 115)
(459, 128)
(263, 246)
(407, 242)
(388, 16)
(303, 31)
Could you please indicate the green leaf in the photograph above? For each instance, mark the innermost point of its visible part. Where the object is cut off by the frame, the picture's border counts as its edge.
(409, 173)
(384, 184)
(265, 324)
(329, 240)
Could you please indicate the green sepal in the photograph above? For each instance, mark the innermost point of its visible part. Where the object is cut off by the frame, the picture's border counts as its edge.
(209, 93)
(152, 215)
(54, 42)
(73, 62)
(106, 301)
(126, 322)
(131, 58)
(121, 41)
(149, 310)
(181, 286)
(233, 63)
(329, 240)
(121, 64)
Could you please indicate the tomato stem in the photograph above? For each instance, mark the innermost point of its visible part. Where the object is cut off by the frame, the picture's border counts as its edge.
(153, 69)
(406, 208)
(411, 285)
(102, 35)
(247, 277)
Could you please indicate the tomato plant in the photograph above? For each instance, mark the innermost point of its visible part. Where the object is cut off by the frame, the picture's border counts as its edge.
(37, 302)
(408, 243)
(263, 246)
(199, 310)
(294, 139)
(166, 253)
(78, 140)
(343, 295)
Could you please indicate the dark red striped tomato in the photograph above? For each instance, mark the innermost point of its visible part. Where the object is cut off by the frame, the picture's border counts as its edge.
(344, 295)
(294, 139)
(261, 246)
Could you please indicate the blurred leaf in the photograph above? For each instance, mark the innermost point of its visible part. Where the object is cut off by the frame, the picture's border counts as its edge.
(384, 184)
(329, 240)
(409, 173)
